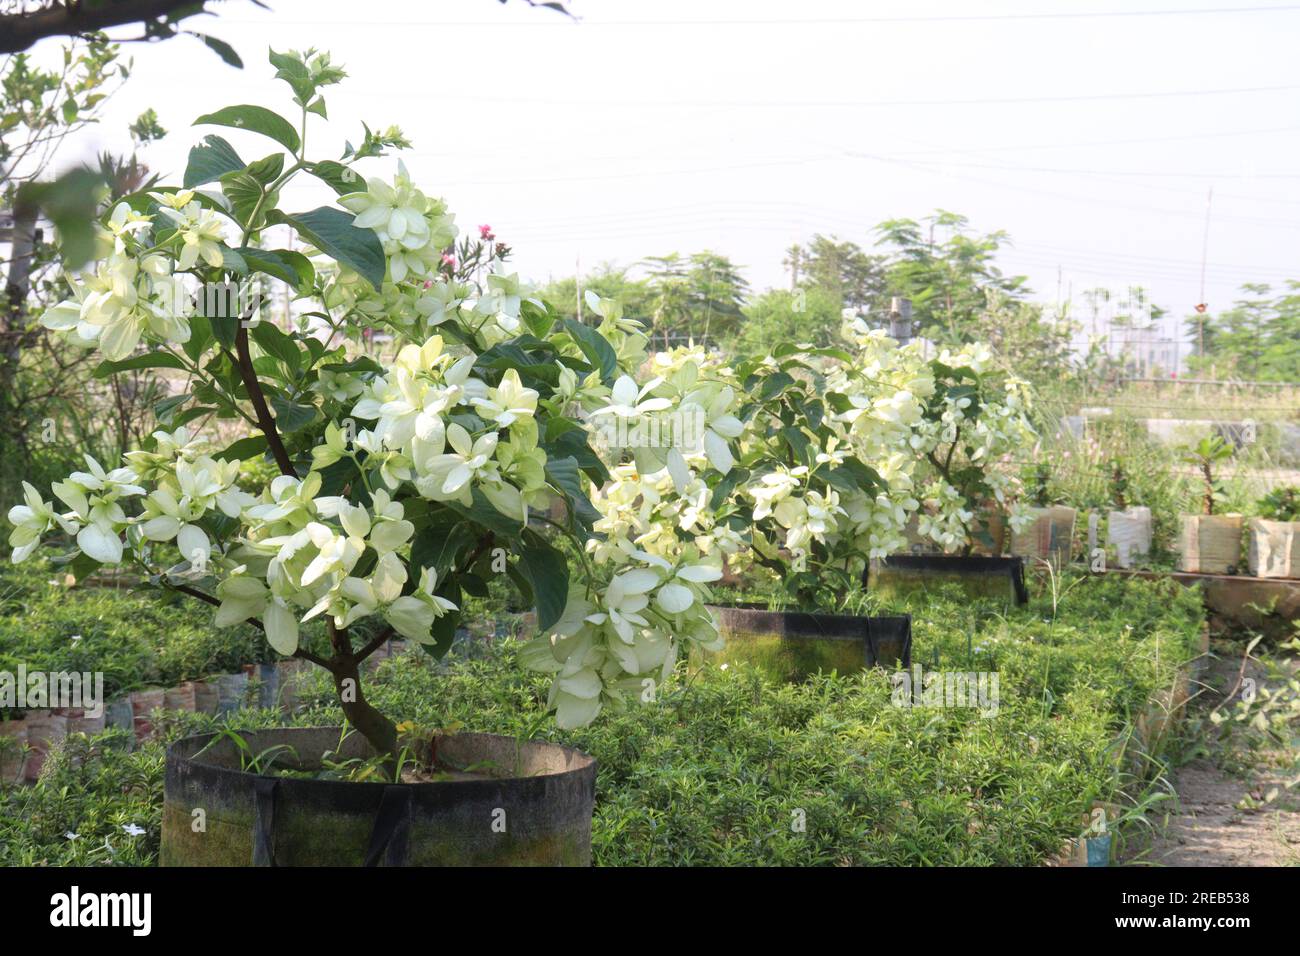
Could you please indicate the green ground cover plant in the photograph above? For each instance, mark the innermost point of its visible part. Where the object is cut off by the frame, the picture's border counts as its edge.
(728, 768)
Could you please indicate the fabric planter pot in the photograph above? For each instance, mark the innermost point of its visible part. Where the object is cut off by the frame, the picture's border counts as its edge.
(1050, 537)
(143, 704)
(79, 723)
(232, 689)
(293, 677)
(1210, 544)
(1128, 533)
(793, 645)
(268, 683)
(988, 533)
(1273, 550)
(45, 730)
(119, 715)
(180, 698)
(535, 809)
(901, 574)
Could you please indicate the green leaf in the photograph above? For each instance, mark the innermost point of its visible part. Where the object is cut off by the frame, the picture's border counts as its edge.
(267, 169)
(245, 195)
(547, 571)
(167, 408)
(540, 321)
(210, 160)
(148, 360)
(593, 345)
(331, 231)
(340, 178)
(272, 263)
(258, 119)
(221, 48)
(276, 343)
(438, 545)
(70, 202)
(774, 385)
(482, 513)
(200, 336)
(290, 416)
(244, 448)
(295, 72)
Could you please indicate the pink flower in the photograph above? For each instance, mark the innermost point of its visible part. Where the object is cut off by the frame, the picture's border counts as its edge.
(485, 233)
(449, 260)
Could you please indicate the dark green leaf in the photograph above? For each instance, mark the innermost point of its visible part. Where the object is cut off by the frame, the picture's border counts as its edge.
(331, 231)
(148, 360)
(257, 119)
(593, 345)
(547, 572)
(210, 160)
(291, 416)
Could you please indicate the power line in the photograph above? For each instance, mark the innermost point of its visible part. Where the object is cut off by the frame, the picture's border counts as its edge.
(577, 22)
(836, 104)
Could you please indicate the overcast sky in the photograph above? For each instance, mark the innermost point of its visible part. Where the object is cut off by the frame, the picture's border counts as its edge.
(649, 127)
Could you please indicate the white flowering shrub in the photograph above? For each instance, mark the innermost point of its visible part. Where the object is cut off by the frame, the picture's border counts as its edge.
(972, 423)
(402, 485)
(657, 545)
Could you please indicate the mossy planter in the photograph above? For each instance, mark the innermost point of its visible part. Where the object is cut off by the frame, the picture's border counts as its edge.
(793, 645)
(903, 574)
(534, 810)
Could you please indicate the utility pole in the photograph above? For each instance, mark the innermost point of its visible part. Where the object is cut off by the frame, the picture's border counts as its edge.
(1202, 305)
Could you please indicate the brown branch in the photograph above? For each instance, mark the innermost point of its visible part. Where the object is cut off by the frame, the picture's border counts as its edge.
(484, 543)
(208, 599)
(18, 31)
(309, 656)
(374, 644)
(265, 420)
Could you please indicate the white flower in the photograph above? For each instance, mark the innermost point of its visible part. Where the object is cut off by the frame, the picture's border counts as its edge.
(413, 616)
(627, 401)
(509, 402)
(30, 521)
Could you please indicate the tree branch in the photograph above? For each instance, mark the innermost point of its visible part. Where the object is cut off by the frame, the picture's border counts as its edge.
(375, 643)
(265, 420)
(18, 31)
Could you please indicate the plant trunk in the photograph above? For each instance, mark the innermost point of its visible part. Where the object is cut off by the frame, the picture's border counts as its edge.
(379, 731)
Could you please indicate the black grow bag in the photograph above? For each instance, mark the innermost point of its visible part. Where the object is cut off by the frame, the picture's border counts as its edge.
(978, 574)
(792, 645)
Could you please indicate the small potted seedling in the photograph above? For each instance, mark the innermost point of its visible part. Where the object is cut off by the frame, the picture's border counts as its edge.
(1128, 527)
(1049, 533)
(1273, 550)
(1210, 542)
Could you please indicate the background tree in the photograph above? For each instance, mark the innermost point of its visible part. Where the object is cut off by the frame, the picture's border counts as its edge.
(780, 317)
(50, 408)
(855, 279)
(949, 281)
(608, 281)
(699, 297)
(1258, 338)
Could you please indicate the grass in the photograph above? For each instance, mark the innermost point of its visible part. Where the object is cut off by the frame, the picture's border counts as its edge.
(730, 769)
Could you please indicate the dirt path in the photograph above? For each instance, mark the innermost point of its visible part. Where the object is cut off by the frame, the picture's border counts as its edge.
(1224, 817)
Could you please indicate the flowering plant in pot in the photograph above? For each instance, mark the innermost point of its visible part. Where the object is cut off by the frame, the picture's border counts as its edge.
(971, 420)
(400, 487)
(974, 419)
(819, 482)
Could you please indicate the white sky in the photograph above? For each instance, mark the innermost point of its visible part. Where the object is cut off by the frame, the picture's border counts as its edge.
(653, 127)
